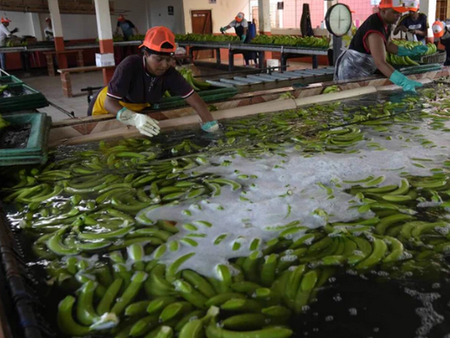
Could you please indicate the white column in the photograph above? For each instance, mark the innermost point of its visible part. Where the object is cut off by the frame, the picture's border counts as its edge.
(429, 8)
(104, 28)
(102, 13)
(55, 15)
(36, 29)
(147, 14)
(264, 16)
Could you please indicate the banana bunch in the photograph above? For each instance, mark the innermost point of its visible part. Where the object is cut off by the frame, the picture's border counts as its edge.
(193, 37)
(432, 49)
(288, 40)
(394, 59)
(83, 216)
(331, 89)
(139, 37)
(3, 122)
(197, 85)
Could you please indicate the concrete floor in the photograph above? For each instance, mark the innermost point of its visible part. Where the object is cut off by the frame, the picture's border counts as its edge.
(51, 88)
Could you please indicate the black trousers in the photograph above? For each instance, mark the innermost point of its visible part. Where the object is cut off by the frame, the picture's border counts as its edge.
(330, 57)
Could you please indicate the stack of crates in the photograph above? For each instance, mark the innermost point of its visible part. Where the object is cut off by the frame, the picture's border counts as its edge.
(35, 149)
(29, 99)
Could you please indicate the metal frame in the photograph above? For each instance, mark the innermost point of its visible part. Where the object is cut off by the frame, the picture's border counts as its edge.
(287, 52)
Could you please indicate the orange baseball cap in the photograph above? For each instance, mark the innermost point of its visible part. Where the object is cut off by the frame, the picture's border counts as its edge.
(438, 29)
(5, 20)
(239, 17)
(413, 5)
(396, 5)
(160, 40)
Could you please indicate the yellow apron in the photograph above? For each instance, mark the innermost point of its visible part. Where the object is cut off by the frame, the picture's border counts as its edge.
(99, 107)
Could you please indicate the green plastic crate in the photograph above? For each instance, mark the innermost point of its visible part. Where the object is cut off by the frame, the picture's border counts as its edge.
(36, 148)
(207, 96)
(9, 80)
(32, 99)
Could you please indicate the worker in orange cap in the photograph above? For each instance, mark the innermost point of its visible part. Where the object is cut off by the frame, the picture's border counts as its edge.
(127, 27)
(367, 50)
(4, 34)
(441, 33)
(240, 25)
(48, 31)
(414, 24)
(140, 81)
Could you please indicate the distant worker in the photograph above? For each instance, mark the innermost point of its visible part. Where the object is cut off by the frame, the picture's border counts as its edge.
(142, 80)
(368, 48)
(414, 24)
(5, 34)
(48, 31)
(441, 33)
(127, 27)
(240, 25)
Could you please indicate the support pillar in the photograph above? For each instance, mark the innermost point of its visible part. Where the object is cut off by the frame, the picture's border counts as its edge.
(264, 17)
(428, 7)
(102, 13)
(55, 15)
(36, 26)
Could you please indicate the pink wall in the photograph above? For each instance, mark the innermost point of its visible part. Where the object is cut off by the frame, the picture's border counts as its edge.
(363, 10)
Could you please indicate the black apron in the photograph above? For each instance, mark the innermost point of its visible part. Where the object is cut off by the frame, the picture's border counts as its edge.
(247, 55)
(446, 44)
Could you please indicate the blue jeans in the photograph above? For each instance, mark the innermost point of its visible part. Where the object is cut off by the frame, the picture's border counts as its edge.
(3, 61)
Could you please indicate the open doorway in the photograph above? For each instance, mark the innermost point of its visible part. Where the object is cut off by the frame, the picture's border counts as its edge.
(202, 24)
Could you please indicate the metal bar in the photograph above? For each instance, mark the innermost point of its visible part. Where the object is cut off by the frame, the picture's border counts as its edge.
(261, 77)
(246, 79)
(250, 47)
(265, 77)
(234, 82)
(286, 75)
(220, 84)
(70, 114)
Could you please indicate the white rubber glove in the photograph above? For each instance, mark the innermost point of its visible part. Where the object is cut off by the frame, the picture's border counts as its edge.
(145, 124)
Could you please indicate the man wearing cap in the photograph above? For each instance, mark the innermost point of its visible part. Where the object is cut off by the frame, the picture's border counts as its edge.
(48, 31)
(140, 81)
(4, 34)
(441, 33)
(414, 24)
(368, 48)
(127, 27)
(240, 25)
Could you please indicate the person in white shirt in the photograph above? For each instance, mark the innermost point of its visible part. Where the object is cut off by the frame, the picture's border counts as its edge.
(4, 34)
(240, 25)
(48, 31)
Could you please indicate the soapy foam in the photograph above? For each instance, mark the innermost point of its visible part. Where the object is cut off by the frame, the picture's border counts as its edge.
(287, 190)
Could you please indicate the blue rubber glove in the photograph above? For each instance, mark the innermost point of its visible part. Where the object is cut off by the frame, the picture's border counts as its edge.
(243, 38)
(210, 127)
(417, 50)
(401, 80)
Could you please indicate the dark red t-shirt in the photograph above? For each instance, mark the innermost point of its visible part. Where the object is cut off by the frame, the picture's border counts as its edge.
(133, 84)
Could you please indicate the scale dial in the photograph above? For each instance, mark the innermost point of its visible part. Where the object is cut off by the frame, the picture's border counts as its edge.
(339, 19)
